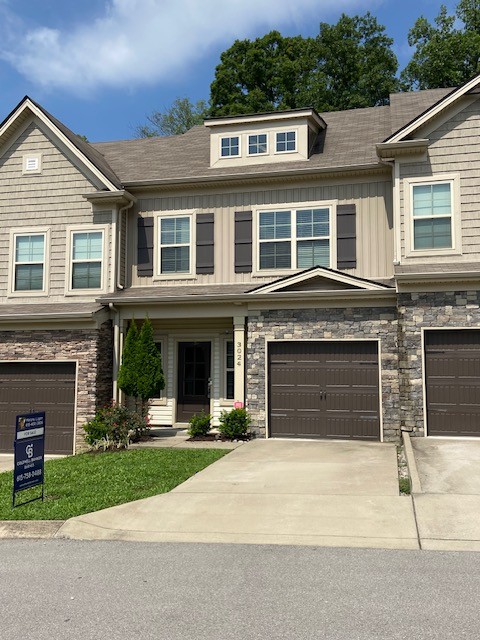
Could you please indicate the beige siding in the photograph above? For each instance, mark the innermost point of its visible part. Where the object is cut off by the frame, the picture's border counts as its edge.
(374, 223)
(51, 199)
(454, 149)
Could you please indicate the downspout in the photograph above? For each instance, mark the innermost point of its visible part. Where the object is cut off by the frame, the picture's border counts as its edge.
(116, 348)
(120, 211)
(396, 208)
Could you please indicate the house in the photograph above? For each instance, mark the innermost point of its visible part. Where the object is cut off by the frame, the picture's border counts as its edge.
(321, 269)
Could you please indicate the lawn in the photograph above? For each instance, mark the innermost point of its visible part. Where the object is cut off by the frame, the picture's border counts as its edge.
(89, 482)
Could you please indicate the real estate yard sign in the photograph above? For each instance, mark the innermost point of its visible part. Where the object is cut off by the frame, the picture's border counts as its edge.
(29, 448)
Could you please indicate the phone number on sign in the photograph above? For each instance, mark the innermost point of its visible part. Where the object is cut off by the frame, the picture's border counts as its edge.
(28, 475)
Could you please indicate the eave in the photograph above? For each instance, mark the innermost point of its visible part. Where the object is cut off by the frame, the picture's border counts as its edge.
(391, 150)
(110, 197)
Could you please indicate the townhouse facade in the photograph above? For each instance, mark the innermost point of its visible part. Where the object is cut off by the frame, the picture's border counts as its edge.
(322, 270)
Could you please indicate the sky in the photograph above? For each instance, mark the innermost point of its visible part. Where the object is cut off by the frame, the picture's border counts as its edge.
(101, 66)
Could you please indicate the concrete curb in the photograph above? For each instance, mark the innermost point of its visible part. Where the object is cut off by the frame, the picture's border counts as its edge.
(415, 484)
(29, 528)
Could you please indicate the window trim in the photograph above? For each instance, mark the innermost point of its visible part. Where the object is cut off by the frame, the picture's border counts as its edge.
(229, 137)
(70, 230)
(191, 275)
(293, 207)
(264, 153)
(162, 340)
(28, 156)
(226, 369)
(288, 130)
(445, 178)
(29, 231)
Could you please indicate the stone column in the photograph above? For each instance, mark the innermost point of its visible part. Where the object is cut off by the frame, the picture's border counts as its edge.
(239, 355)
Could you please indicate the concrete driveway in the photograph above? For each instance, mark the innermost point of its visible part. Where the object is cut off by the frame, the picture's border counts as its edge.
(448, 503)
(277, 492)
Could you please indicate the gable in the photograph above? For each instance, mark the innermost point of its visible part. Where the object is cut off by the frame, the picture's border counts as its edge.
(317, 283)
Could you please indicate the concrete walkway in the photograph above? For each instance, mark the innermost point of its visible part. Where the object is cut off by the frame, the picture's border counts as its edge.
(273, 492)
(447, 503)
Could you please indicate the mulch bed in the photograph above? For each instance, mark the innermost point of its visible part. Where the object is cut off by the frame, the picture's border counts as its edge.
(213, 437)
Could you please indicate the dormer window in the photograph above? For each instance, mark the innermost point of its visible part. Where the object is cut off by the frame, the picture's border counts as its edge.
(286, 141)
(257, 144)
(230, 147)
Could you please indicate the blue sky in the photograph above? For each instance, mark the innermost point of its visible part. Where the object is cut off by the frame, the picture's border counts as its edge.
(101, 66)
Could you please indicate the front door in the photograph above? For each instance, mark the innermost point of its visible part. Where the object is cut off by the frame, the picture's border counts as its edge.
(193, 379)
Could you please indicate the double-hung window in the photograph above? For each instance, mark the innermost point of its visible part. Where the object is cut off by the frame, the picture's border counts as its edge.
(230, 147)
(257, 144)
(175, 244)
(286, 141)
(87, 260)
(432, 216)
(29, 262)
(294, 239)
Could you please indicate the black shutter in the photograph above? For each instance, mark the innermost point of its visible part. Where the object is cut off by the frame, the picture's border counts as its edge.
(346, 236)
(243, 242)
(204, 241)
(145, 247)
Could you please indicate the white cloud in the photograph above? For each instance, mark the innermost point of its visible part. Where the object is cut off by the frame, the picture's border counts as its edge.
(139, 42)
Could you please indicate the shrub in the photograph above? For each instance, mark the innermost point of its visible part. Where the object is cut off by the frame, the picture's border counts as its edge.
(199, 424)
(234, 424)
(114, 427)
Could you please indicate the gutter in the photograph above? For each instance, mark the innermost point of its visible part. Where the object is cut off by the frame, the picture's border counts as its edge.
(439, 276)
(49, 316)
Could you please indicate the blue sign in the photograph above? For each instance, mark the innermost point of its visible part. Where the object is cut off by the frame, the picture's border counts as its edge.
(30, 425)
(29, 448)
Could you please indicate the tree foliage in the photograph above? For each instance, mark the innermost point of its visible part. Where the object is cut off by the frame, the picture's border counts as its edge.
(447, 53)
(127, 374)
(181, 116)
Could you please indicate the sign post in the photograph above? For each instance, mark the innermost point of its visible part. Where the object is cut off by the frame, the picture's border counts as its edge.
(29, 458)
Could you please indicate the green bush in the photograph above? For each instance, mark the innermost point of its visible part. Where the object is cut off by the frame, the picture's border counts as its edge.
(234, 424)
(200, 424)
(115, 426)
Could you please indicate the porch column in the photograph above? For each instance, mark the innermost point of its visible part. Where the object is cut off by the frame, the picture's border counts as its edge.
(239, 356)
(118, 395)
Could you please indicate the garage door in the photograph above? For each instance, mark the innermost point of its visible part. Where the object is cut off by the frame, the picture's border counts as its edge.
(324, 390)
(452, 380)
(36, 386)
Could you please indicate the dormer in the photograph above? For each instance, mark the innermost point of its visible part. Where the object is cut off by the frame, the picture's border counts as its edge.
(263, 138)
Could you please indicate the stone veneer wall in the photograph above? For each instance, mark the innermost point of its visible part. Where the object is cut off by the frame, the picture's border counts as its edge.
(456, 309)
(332, 324)
(92, 348)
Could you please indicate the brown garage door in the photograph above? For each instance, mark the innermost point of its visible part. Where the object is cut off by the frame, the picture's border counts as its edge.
(34, 386)
(452, 375)
(324, 390)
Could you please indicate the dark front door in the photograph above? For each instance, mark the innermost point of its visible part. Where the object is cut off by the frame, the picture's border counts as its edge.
(193, 379)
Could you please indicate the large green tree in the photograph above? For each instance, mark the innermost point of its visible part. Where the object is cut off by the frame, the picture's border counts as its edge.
(181, 116)
(447, 53)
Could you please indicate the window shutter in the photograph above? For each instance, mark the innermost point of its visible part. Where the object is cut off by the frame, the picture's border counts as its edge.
(346, 236)
(205, 243)
(145, 247)
(243, 242)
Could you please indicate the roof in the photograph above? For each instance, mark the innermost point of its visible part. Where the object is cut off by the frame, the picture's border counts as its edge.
(48, 310)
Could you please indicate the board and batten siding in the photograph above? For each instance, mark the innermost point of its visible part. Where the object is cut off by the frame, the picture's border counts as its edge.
(51, 199)
(373, 202)
(454, 148)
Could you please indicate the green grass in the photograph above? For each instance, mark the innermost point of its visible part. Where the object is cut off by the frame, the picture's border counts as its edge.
(89, 482)
(404, 485)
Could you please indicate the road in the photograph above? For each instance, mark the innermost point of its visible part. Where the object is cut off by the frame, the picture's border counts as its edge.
(59, 589)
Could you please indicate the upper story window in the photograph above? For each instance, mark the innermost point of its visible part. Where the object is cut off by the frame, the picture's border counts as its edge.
(257, 144)
(297, 238)
(87, 260)
(286, 141)
(175, 244)
(29, 262)
(432, 216)
(230, 147)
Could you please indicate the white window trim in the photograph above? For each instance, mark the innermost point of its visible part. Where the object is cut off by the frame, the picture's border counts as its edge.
(229, 137)
(288, 130)
(162, 399)
(330, 204)
(28, 231)
(191, 275)
(28, 156)
(408, 183)
(264, 153)
(103, 228)
(224, 369)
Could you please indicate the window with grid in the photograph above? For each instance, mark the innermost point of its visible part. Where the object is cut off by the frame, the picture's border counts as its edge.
(298, 238)
(257, 144)
(230, 147)
(87, 259)
(29, 262)
(286, 141)
(432, 216)
(175, 242)
(229, 371)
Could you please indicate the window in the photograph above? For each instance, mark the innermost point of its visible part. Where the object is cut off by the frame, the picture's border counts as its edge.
(286, 141)
(257, 144)
(230, 147)
(175, 244)
(298, 238)
(432, 216)
(229, 371)
(87, 260)
(29, 262)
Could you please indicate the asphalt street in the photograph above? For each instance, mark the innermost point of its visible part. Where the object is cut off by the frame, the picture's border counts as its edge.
(119, 590)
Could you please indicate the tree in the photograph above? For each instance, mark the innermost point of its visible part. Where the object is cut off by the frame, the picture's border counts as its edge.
(445, 55)
(179, 118)
(127, 374)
